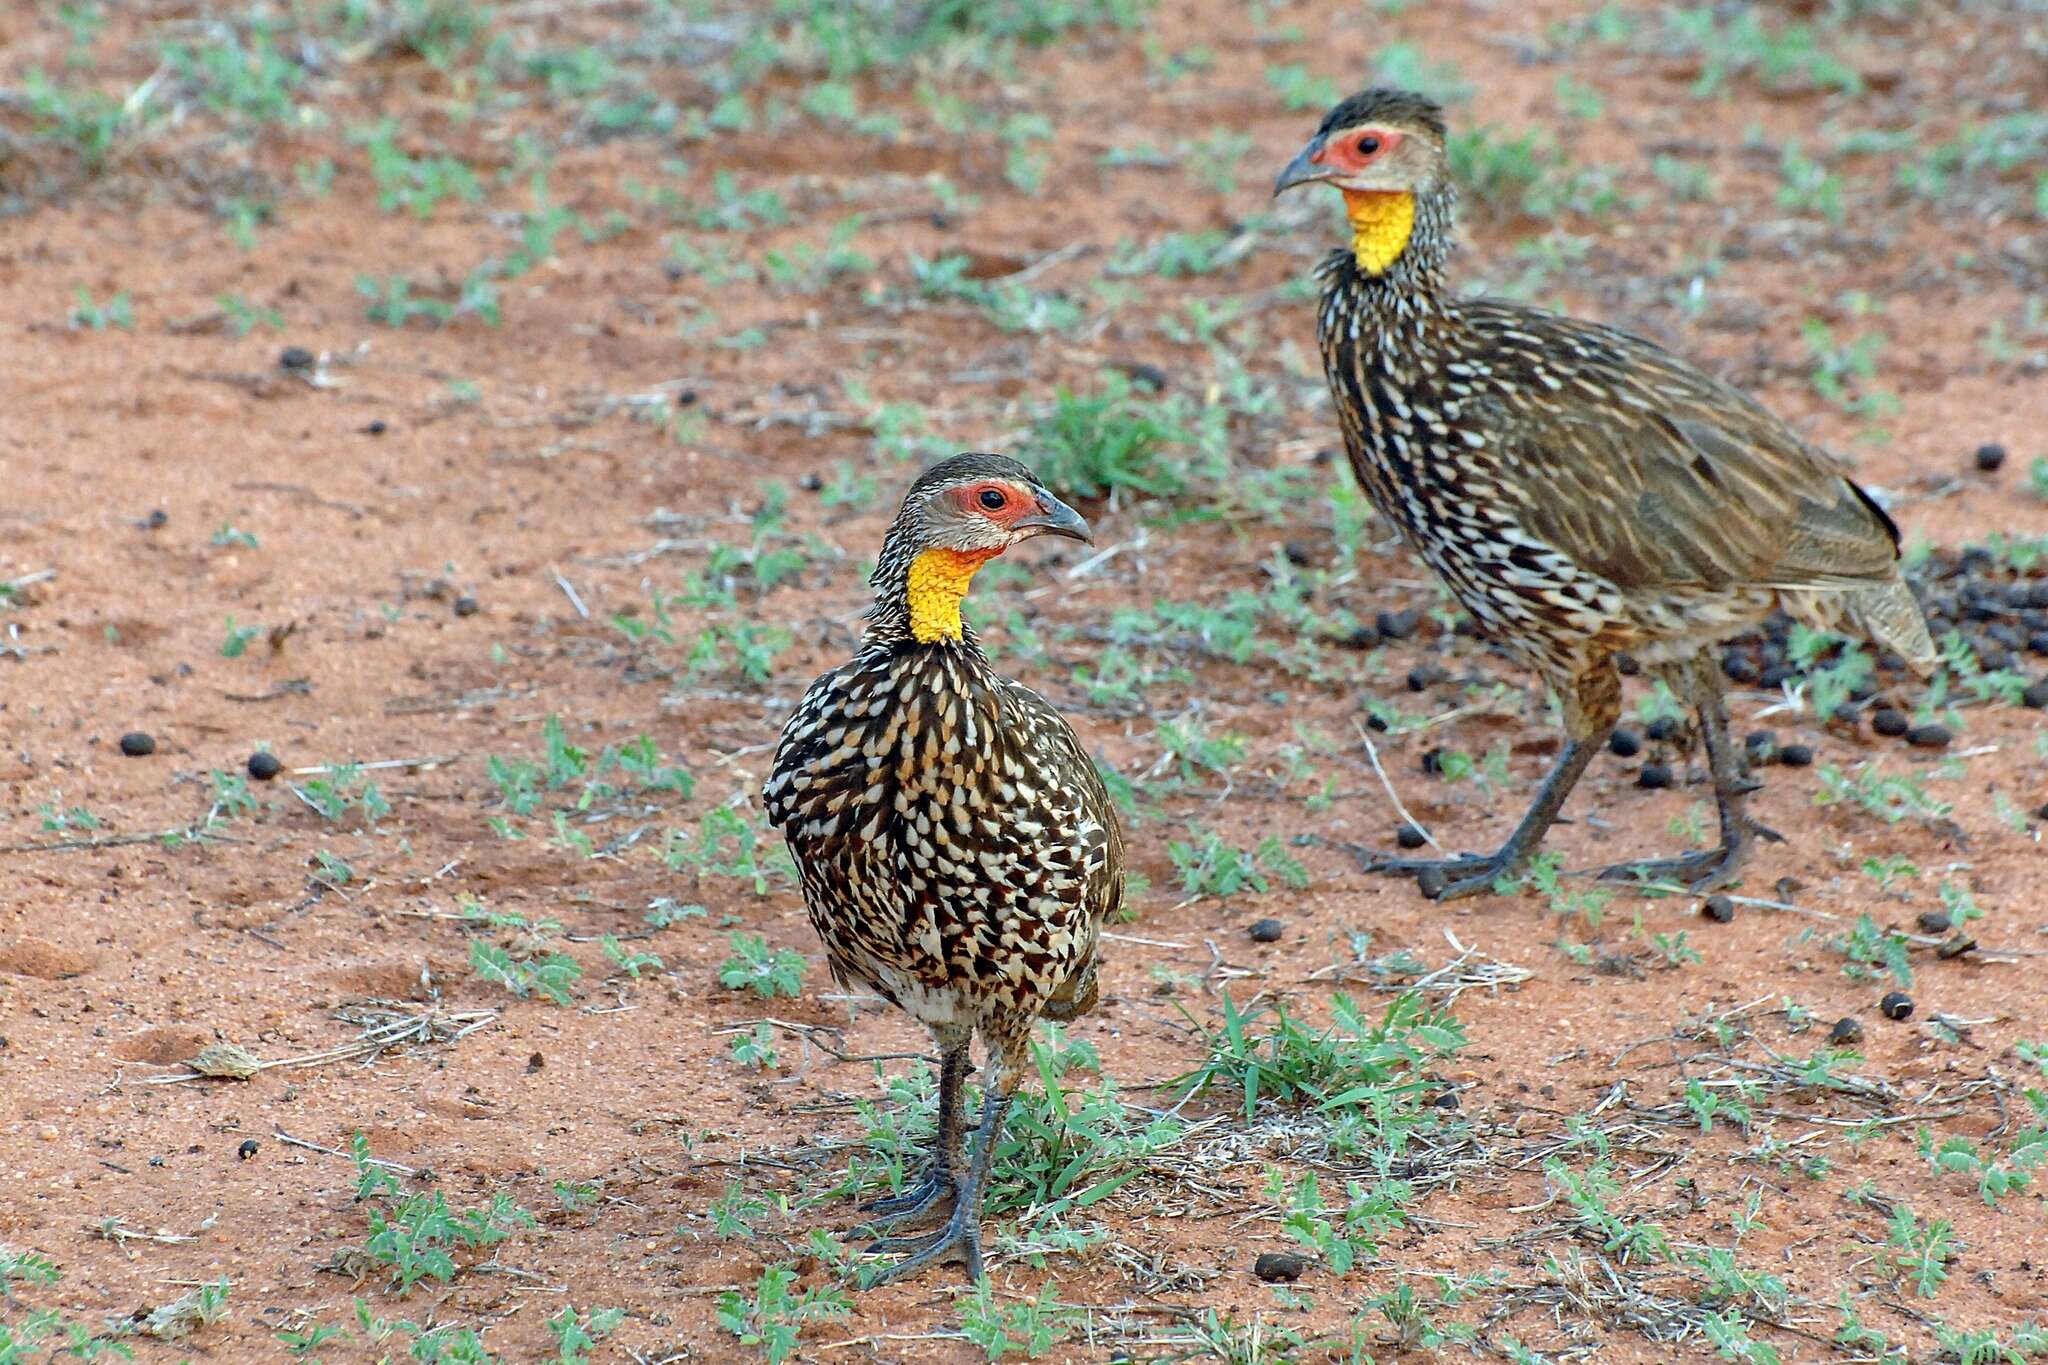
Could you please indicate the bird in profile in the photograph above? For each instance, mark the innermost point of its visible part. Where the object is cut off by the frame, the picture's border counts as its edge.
(1582, 492)
(957, 849)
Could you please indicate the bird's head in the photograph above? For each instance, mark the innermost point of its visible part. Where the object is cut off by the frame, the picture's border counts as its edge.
(1385, 149)
(960, 514)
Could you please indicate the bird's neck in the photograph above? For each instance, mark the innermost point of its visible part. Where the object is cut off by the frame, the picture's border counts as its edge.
(918, 594)
(1382, 224)
(937, 585)
(1399, 242)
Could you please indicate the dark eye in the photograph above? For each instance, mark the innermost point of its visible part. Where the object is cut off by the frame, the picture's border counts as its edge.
(993, 499)
(1367, 145)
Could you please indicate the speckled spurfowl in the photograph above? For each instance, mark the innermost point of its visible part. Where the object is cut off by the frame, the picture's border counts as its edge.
(957, 849)
(1581, 491)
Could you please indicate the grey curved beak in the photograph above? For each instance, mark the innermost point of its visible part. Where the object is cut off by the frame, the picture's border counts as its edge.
(1302, 170)
(1055, 518)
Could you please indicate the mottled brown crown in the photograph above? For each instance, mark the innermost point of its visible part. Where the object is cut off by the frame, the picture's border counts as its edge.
(1386, 104)
(966, 469)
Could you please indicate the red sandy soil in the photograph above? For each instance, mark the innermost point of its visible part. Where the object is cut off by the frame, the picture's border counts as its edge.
(418, 466)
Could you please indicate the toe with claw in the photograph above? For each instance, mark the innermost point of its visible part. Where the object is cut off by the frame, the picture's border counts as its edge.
(895, 1210)
(959, 1239)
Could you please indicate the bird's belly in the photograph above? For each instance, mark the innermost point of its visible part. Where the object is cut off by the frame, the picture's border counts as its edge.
(1520, 591)
(942, 923)
(1673, 626)
(936, 1006)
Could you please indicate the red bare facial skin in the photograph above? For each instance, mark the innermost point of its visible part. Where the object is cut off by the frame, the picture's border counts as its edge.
(1017, 502)
(1346, 156)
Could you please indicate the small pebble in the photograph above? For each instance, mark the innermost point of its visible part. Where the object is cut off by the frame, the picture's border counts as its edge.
(1662, 729)
(1760, 744)
(1267, 931)
(1447, 1100)
(1740, 668)
(157, 519)
(1890, 723)
(1397, 625)
(1422, 677)
(1929, 736)
(1279, 1267)
(249, 1148)
(136, 744)
(297, 358)
(1409, 836)
(466, 605)
(1719, 909)
(1990, 456)
(1141, 372)
(811, 483)
(1431, 882)
(1796, 755)
(1846, 1030)
(1624, 743)
(376, 428)
(1933, 922)
(1655, 776)
(1897, 1005)
(1298, 554)
(2036, 695)
(263, 765)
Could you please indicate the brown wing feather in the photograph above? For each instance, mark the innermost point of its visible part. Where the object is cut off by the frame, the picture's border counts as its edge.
(1675, 479)
(1103, 891)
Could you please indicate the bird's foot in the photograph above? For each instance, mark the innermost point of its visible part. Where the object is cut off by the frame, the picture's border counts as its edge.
(1708, 869)
(1447, 879)
(959, 1239)
(914, 1203)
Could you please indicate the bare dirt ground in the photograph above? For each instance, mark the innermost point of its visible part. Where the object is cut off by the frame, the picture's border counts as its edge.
(490, 415)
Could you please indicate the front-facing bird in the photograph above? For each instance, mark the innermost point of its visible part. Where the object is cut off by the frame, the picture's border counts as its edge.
(957, 849)
(1583, 493)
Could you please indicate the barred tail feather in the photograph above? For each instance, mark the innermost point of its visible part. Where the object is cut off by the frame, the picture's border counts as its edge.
(1891, 616)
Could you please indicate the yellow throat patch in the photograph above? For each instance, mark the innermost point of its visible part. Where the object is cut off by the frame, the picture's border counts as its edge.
(938, 581)
(1381, 223)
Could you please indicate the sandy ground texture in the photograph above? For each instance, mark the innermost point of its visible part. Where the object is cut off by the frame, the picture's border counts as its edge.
(483, 420)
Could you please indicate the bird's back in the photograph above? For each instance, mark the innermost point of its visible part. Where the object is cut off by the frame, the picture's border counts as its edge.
(1575, 481)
